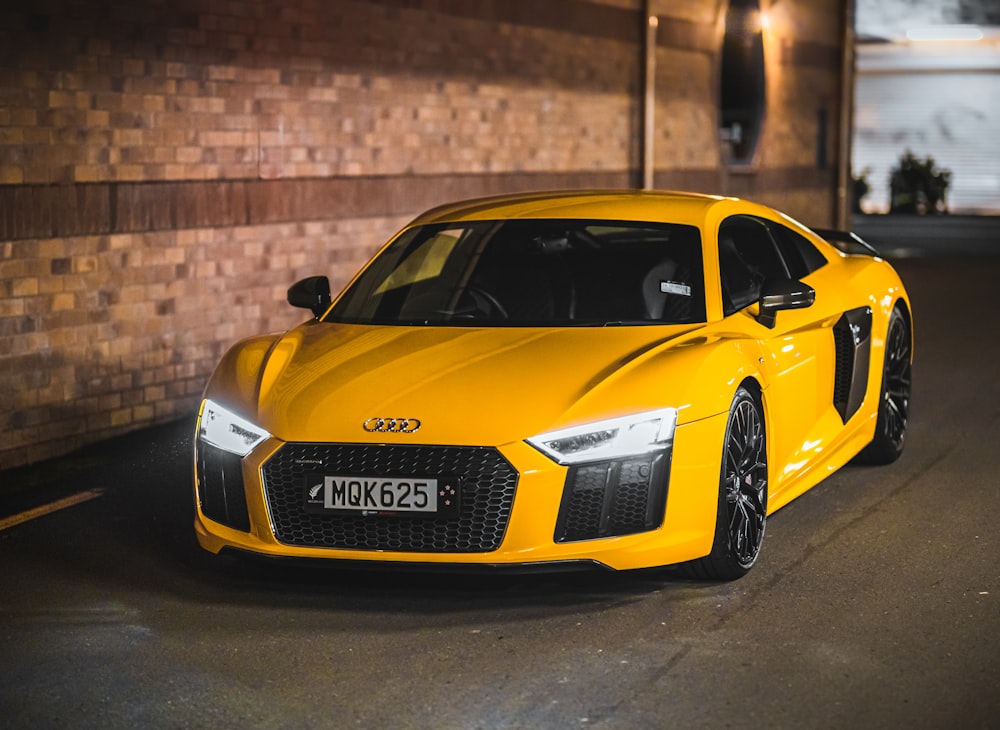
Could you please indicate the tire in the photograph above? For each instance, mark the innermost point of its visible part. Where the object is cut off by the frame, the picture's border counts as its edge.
(894, 401)
(742, 506)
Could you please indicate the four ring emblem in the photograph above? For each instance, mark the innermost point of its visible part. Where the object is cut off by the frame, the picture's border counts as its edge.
(391, 425)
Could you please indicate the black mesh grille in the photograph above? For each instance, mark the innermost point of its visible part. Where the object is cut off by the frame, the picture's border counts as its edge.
(583, 503)
(488, 483)
(628, 509)
(220, 487)
(844, 348)
(614, 498)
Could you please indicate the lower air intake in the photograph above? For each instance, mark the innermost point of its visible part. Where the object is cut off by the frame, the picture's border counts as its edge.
(220, 487)
(613, 498)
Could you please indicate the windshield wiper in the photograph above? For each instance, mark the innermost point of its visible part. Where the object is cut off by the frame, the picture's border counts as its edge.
(606, 323)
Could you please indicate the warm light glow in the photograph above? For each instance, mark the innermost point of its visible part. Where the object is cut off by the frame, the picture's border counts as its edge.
(945, 33)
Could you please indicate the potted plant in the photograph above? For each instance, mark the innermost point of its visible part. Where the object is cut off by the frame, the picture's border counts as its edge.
(918, 186)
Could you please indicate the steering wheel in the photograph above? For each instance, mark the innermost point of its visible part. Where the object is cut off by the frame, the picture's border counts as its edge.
(486, 302)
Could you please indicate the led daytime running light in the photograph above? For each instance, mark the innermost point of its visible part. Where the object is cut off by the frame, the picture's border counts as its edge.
(616, 437)
(222, 428)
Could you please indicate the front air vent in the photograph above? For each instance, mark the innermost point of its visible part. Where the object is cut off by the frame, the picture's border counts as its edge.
(611, 498)
(220, 487)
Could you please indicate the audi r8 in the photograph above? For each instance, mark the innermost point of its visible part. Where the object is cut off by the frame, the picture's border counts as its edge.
(595, 378)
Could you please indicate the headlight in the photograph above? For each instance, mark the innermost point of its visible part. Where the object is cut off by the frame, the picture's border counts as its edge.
(614, 438)
(222, 428)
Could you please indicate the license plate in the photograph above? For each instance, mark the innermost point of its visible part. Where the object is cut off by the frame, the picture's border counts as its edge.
(382, 495)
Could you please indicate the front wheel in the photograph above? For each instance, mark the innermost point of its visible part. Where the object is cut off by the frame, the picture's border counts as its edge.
(894, 402)
(742, 506)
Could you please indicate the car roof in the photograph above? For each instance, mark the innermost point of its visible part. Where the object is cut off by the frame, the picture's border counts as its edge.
(638, 205)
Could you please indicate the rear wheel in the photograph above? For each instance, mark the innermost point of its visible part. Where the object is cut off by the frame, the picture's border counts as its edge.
(742, 506)
(894, 404)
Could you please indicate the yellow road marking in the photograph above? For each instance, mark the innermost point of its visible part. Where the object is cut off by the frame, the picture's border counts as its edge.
(45, 509)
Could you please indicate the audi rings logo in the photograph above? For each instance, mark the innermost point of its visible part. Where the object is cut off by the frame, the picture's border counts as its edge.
(391, 425)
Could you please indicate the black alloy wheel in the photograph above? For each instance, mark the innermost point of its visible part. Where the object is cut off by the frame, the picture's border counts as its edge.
(894, 404)
(742, 510)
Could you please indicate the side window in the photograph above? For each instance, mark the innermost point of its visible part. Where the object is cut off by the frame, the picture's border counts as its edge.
(800, 254)
(747, 256)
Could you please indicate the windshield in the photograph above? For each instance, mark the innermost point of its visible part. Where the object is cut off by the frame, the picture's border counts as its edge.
(532, 273)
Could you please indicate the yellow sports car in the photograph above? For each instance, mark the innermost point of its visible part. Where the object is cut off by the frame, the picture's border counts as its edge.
(614, 378)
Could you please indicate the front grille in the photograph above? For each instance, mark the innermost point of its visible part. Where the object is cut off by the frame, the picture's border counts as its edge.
(220, 487)
(488, 483)
(614, 498)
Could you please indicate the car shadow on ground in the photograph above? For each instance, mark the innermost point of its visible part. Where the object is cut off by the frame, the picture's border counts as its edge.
(139, 537)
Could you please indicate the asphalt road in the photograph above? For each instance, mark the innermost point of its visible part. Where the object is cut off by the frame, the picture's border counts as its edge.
(876, 603)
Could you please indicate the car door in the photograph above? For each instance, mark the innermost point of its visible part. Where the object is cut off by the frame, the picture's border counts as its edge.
(796, 354)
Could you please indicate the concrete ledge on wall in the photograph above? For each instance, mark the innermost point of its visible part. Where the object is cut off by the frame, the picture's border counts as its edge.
(49, 211)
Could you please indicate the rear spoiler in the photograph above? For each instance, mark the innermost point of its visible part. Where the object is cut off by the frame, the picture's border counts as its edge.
(847, 241)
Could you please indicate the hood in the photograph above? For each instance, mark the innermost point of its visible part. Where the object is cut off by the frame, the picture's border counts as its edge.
(322, 382)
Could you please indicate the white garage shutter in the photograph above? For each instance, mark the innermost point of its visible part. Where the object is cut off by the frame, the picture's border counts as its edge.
(952, 116)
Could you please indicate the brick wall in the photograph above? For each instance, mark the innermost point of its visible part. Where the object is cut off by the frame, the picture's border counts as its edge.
(99, 334)
(142, 91)
(169, 167)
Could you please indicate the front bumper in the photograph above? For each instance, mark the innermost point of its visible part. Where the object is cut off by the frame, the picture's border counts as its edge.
(527, 510)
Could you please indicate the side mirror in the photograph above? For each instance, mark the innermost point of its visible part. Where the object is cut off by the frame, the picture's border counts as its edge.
(312, 294)
(779, 294)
